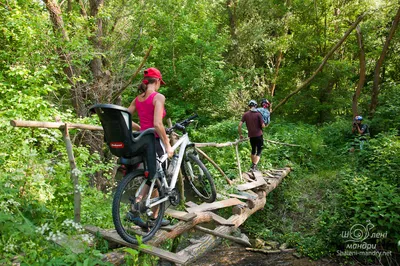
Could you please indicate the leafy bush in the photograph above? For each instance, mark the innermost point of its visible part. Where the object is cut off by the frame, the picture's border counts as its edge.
(381, 158)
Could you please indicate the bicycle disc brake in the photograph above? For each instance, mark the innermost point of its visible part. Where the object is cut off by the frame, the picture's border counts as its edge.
(174, 197)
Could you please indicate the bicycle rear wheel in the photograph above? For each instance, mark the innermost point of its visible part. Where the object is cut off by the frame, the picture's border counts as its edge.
(130, 215)
(199, 177)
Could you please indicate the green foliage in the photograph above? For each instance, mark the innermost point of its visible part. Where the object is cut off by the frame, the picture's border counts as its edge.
(386, 117)
(381, 157)
(134, 257)
(374, 201)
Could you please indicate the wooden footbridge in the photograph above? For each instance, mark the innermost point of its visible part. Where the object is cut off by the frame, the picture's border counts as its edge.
(249, 196)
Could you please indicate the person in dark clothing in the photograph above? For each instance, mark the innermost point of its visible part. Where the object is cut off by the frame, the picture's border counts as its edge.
(254, 124)
(361, 131)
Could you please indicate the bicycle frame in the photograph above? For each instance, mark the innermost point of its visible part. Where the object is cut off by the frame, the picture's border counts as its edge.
(183, 142)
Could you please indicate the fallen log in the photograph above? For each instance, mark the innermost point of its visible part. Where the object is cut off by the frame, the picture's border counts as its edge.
(265, 251)
(229, 237)
(180, 227)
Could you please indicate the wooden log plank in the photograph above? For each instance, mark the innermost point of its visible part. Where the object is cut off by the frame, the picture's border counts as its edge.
(214, 144)
(238, 196)
(250, 194)
(246, 176)
(229, 237)
(268, 174)
(184, 216)
(258, 175)
(214, 205)
(239, 209)
(249, 200)
(221, 220)
(191, 204)
(114, 237)
(275, 251)
(251, 185)
(168, 228)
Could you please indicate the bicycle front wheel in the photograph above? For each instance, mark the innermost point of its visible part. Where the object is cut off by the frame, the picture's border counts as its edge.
(132, 219)
(199, 177)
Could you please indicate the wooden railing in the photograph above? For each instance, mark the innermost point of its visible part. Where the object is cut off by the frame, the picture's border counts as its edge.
(64, 127)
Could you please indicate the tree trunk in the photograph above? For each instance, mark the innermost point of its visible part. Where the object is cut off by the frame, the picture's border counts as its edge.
(308, 81)
(58, 26)
(379, 63)
(278, 63)
(100, 89)
(231, 8)
(361, 81)
(325, 93)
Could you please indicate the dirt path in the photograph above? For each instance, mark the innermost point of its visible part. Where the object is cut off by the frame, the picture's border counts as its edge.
(237, 255)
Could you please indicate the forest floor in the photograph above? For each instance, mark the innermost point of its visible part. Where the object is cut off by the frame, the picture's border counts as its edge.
(238, 255)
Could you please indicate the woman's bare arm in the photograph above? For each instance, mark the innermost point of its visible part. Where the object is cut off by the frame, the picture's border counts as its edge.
(159, 101)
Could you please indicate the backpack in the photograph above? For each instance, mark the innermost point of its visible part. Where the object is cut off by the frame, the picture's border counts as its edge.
(265, 115)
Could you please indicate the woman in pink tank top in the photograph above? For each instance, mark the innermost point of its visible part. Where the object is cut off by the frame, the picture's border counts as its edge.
(150, 106)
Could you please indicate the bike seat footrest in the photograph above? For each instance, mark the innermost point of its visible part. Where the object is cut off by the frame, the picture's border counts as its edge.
(130, 161)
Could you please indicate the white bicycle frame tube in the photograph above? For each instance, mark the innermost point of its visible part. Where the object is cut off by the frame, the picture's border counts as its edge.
(182, 142)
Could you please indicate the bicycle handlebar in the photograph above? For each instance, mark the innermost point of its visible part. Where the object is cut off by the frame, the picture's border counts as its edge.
(182, 125)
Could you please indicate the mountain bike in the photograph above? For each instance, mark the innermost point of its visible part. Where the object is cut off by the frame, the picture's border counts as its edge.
(139, 201)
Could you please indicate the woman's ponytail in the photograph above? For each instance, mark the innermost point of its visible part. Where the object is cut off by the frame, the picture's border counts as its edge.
(142, 88)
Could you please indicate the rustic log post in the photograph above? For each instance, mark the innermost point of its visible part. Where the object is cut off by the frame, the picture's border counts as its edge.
(238, 160)
(74, 174)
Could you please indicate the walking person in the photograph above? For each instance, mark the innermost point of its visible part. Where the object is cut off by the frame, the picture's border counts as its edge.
(254, 124)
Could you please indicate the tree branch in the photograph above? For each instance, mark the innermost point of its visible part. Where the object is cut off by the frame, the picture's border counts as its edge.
(308, 81)
(118, 93)
(6, 6)
(361, 81)
(379, 63)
